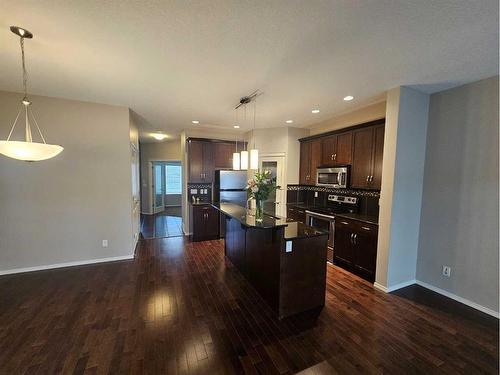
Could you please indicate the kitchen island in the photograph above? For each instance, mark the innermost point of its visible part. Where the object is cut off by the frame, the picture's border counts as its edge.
(285, 261)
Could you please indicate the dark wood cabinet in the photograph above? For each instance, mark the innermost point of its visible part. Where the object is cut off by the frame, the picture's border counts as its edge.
(201, 161)
(336, 149)
(310, 159)
(204, 222)
(355, 247)
(368, 147)
(224, 155)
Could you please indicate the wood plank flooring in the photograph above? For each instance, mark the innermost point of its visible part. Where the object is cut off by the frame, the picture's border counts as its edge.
(164, 224)
(181, 308)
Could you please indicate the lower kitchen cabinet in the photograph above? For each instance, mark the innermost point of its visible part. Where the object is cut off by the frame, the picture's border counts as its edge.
(355, 247)
(204, 222)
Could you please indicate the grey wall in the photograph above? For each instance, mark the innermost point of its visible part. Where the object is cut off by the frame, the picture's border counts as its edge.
(459, 219)
(60, 210)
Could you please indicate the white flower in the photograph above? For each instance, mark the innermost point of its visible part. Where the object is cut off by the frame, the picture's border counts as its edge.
(255, 189)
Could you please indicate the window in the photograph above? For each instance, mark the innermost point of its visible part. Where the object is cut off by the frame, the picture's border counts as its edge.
(173, 178)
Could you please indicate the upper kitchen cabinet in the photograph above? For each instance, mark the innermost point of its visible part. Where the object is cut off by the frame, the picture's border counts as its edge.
(310, 159)
(201, 161)
(224, 155)
(336, 149)
(367, 152)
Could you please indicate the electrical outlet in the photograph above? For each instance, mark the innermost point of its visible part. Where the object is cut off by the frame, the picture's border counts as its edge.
(104, 243)
(446, 271)
(315, 194)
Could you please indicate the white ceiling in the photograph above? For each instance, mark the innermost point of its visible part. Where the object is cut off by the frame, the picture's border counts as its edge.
(177, 61)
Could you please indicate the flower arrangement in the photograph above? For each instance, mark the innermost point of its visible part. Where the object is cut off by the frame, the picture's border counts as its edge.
(259, 188)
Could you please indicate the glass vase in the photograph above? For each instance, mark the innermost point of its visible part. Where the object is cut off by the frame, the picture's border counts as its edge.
(259, 210)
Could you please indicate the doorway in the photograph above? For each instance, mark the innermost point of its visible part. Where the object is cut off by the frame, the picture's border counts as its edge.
(166, 192)
(275, 163)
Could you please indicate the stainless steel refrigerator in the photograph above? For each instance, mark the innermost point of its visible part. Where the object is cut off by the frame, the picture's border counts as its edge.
(229, 187)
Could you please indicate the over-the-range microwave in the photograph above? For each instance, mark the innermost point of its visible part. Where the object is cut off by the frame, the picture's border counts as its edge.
(335, 177)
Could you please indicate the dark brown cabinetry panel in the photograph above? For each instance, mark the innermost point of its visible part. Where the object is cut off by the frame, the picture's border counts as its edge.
(296, 214)
(204, 222)
(195, 149)
(378, 152)
(315, 159)
(305, 163)
(224, 155)
(336, 149)
(356, 247)
(362, 158)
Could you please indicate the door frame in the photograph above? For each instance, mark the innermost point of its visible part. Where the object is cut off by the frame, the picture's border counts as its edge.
(150, 187)
(280, 158)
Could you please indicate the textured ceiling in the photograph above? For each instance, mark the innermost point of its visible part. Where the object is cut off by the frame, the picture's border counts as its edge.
(177, 61)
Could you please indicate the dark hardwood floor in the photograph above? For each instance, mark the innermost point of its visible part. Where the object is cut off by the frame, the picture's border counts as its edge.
(181, 308)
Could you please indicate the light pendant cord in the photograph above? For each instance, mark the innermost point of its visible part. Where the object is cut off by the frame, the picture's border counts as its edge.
(25, 73)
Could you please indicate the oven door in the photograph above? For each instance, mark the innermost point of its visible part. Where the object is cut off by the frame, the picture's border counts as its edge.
(321, 222)
(332, 177)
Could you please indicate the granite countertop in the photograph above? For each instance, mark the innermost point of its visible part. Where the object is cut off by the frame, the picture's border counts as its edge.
(247, 216)
(295, 229)
(360, 217)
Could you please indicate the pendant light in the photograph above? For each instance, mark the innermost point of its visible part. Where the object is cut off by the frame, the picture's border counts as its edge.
(236, 158)
(254, 153)
(244, 152)
(27, 150)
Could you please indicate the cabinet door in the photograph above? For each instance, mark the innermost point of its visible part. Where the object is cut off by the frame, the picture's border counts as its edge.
(315, 160)
(365, 252)
(343, 151)
(378, 152)
(328, 147)
(195, 156)
(342, 251)
(362, 158)
(212, 223)
(208, 161)
(198, 221)
(224, 155)
(305, 162)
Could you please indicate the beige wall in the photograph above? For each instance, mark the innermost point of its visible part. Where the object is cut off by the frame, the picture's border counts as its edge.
(459, 220)
(169, 150)
(369, 113)
(59, 210)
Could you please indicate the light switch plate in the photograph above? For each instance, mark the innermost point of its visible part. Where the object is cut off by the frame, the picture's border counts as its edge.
(289, 246)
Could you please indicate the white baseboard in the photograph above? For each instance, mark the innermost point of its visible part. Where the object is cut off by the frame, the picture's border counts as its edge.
(392, 288)
(68, 264)
(465, 301)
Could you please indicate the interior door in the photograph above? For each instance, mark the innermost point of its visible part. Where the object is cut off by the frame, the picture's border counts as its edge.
(276, 204)
(158, 187)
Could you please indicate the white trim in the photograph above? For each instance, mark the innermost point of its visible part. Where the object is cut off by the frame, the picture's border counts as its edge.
(67, 264)
(393, 287)
(467, 302)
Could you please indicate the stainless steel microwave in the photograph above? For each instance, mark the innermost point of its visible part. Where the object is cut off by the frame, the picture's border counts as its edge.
(336, 177)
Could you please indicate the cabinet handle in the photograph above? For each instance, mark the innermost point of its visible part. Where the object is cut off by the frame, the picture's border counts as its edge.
(331, 157)
(355, 239)
(365, 228)
(371, 178)
(352, 235)
(334, 156)
(367, 178)
(344, 222)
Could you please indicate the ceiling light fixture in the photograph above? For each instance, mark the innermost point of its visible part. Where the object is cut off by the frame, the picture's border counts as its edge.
(27, 150)
(289, 121)
(254, 152)
(195, 122)
(159, 136)
(236, 126)
(315, 111)
(348, 98)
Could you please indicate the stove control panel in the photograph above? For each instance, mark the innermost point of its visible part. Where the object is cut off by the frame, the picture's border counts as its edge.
(342, 199)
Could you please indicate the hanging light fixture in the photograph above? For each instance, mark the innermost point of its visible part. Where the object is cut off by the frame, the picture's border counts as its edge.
(254, 153)
(244, 152)
(27, 150)
(236, 158)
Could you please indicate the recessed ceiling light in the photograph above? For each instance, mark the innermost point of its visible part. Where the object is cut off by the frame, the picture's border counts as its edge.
(159, 136)
(289, 121)
(195, 122)
(348, 98)
(315, 111)
(236, 126)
